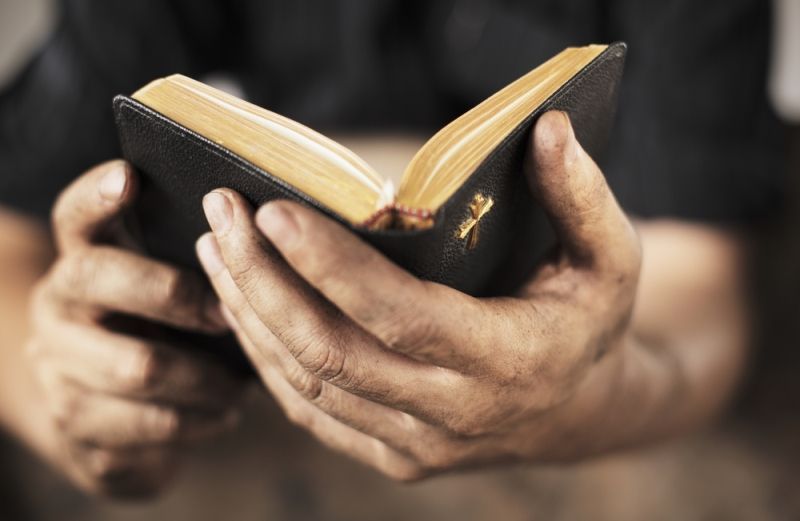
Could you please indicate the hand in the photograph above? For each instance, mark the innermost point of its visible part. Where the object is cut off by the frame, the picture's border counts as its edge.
(123, 405)
(415, 378)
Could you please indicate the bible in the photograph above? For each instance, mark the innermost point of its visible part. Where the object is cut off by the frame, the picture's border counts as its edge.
(461, 215)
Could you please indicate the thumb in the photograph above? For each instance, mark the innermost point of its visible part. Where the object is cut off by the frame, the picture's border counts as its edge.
(592, 228)
(89, 206)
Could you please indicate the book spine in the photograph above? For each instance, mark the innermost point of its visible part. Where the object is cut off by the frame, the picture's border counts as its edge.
(396, 216)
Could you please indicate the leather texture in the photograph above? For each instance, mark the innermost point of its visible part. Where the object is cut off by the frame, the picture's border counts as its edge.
(178, 167)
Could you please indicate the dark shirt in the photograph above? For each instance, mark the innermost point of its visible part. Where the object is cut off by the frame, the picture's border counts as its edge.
(694, 137)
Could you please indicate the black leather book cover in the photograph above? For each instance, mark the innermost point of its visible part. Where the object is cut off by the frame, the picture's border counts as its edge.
(178, 167)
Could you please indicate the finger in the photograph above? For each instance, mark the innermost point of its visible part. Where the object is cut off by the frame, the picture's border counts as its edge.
(129, 474)
(369, 451)
(442, 326)
(326, 345)
(398, 430)
(117, 280)
(593, 229)
(110, 422)
(429, 322)
(87, 206)
(134, 368)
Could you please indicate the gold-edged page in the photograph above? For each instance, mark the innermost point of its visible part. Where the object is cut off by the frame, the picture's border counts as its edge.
(303, 158)
(445, 162)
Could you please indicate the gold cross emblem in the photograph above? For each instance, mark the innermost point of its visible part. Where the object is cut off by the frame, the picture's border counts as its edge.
(469, 229)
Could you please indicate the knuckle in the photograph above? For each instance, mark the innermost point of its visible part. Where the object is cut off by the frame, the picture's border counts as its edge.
(468, 426)
(42, 310)
(307, 384)
(72, 274)
(44, 307)
(437, 457)
(321, 351)
(79, 276)
(329, 364)
(409, 333)
(247, 276)
(174, 290)
(65, 409)
(64, 402)
(168, 286)
(142, 369)
(163, 423)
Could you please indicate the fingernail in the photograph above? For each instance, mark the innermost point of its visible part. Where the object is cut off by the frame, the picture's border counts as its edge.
(112, 185)
(209, 254)
(278, 224)
(219, 212)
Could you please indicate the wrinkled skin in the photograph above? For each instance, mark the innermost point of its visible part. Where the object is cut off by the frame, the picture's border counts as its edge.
(123, 405)
(415, 378)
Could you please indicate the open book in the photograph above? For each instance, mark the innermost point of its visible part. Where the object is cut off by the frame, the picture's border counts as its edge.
(461, 209)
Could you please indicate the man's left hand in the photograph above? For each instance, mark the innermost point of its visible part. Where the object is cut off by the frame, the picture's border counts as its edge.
(415, 378)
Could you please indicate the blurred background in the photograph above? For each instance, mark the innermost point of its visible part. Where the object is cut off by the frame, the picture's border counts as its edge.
(746, 468)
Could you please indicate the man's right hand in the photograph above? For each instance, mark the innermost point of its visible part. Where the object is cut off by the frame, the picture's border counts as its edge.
(123, 405)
